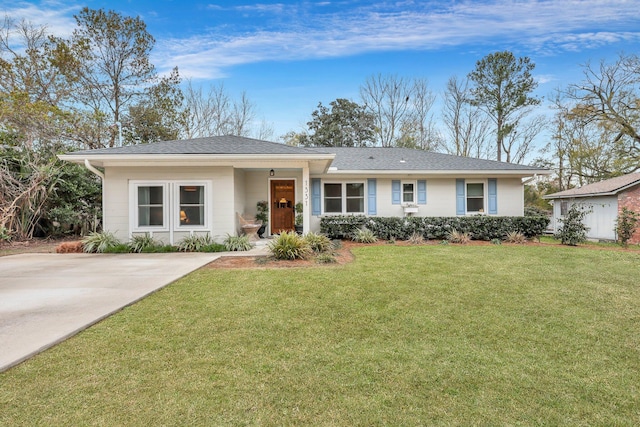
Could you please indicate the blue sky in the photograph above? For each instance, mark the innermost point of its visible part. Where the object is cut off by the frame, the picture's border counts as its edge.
(290, 55)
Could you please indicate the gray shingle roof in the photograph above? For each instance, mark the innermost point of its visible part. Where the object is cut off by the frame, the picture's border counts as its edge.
(346, 159)
(389, 159)
(608, 186)
(211, 145)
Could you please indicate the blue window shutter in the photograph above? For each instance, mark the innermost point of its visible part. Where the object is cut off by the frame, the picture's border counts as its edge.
(315, 196)
(422, 192)
(395, 192)
(493, 196)
(460, 205)
(371, 199)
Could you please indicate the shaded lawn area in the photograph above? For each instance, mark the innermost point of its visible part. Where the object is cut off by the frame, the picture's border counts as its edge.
(405, 335)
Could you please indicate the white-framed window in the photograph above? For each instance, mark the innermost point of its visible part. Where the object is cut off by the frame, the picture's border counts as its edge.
(564, 207)
(150, 204)
(343, 197)
(475, 197)
(191, 204)
(165, 205)
(332, 197)
(408, 192)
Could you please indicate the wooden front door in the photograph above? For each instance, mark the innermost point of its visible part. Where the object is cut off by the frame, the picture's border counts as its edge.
(282, 205)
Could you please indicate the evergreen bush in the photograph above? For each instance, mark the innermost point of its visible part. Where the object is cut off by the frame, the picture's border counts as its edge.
(482, 227)
(573, 231)
(626, 225)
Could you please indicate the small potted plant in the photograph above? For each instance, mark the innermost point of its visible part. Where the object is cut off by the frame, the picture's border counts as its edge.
(262, 215)
(299, 218)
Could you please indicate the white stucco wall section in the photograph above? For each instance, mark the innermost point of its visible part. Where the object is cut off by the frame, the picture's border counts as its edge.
(510, 197)
(221, 216)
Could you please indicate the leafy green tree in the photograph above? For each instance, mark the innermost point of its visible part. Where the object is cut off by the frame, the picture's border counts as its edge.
(32, 88)
(160, 115)
(110, 67)
(502, 88)
(346, 124)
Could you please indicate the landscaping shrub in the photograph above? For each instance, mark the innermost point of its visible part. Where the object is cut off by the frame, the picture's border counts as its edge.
(515, 237)
(626, 225)
(326, 258)
(573, 231)
(100, 242)
(481, 226)
(237, 243)
(318, 243)
(364, 235)
(535, 211)
(461, 237)
(159, 249)
(142, 243)
(120, 248)
(416, 239)
(5, 234)
(289, 246)
(194, 242)
(213, 247)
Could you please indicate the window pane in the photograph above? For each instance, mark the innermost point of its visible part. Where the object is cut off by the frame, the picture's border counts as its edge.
(564, 207)
(475, 190)
(333, 190)
(150, 215)
(191, 205)
(191, 195)
(475, 204)
(192, 215)
(333, 205)
(407, 192)
(143, 195)
(355, 205)
(150, 206)
(355, 190)
(150, 195)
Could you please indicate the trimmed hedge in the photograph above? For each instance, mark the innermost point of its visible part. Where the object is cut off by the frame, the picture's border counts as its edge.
(481, 227)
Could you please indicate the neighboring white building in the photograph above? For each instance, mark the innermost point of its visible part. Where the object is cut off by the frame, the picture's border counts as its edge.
(174, 188)
(604, 201)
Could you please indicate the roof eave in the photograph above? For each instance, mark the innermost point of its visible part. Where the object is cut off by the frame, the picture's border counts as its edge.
(597, 194)
(438, 172)
(173, 159)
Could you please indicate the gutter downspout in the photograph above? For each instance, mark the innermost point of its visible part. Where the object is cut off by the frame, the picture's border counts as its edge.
(92, 168)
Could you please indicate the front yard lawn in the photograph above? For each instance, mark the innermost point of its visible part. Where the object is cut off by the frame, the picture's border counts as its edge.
(405, 335)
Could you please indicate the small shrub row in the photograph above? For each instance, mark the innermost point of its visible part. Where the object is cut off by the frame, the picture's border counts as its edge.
(105, 242)
(480, 227)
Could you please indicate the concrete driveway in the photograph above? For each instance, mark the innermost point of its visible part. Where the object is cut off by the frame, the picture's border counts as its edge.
(46, 298)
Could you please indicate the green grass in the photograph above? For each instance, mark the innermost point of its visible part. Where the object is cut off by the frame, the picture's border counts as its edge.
(405, 335)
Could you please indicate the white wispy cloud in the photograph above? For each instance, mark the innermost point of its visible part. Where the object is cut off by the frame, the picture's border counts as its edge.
(540, 26)
(56, 16)
(316, 30)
